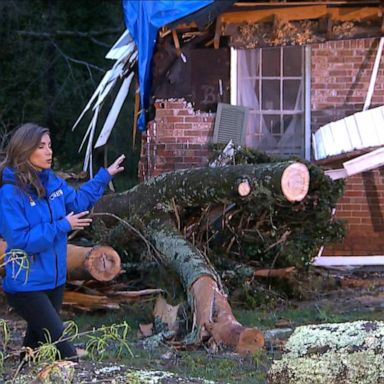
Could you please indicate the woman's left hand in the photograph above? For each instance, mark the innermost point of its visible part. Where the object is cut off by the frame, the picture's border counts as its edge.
(115, 167)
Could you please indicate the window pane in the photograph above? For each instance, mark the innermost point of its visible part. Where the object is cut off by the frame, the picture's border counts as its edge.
(275, 96)
(294, 125)
(272, 123)
(271, 62)
(292, 99)
(292, 61)
(249, 62)
(249, 93)
(292, 142)
(253, 132)
(287, 120)
(270, 95)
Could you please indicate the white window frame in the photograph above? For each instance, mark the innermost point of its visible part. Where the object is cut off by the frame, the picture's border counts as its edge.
(307, 94)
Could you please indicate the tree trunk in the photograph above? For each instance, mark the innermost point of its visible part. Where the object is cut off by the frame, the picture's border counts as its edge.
(199, 186)
(100, 263)
(149, 205)
(214, 316)
(346, 353)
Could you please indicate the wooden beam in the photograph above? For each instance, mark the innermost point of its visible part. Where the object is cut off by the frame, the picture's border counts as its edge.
(135, 113)
(218, 32)
(293, 13)
(354, 14)
(176, 41)
(267, 15)
(164, 31)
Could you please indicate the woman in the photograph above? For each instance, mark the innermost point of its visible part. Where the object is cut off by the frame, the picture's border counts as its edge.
(38, 209)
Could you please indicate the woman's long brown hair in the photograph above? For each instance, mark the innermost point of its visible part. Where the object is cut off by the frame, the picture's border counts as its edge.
(23, 143)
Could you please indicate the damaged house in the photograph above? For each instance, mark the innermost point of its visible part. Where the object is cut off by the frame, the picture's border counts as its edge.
(269, 74)
(289, 78)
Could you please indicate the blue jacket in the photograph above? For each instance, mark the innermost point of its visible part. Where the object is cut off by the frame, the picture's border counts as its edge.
(38, 226)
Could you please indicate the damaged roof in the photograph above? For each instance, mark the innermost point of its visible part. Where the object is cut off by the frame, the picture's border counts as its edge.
(251, 24)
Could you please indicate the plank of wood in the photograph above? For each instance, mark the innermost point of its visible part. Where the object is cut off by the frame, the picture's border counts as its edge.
(88, 302)
(265, 15)
(355, 13)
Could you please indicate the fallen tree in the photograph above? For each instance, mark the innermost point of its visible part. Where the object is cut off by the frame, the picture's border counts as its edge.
(156, 208)
(271, 208)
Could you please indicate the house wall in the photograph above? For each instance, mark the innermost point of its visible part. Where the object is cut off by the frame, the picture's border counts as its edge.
(179, 136)
(340, 76)
(362, 208)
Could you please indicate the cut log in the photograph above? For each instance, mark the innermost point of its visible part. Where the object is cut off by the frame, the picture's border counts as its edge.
(100, 263)
(295, 182)
(198, 186)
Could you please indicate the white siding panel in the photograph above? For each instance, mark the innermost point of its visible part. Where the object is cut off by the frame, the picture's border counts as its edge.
(361, 130)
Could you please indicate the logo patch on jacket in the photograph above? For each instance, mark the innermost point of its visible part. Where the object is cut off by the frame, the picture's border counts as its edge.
(31, 201)
(55, 194)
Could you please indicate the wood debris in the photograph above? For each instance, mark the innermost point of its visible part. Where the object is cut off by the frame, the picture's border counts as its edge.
(278, 272)
(81, 296)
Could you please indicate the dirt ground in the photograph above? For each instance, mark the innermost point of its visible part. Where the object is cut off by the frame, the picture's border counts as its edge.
(355, 295)
(163, 365)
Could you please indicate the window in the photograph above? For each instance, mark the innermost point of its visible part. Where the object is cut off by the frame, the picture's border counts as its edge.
(271, 83)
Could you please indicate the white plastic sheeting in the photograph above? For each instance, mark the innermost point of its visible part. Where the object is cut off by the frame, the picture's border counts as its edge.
(124, 52)
(362, 130)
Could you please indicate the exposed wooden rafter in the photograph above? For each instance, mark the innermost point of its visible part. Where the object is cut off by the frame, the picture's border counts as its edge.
(270, 12)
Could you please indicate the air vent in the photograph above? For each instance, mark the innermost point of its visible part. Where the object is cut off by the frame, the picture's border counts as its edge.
(230, 124)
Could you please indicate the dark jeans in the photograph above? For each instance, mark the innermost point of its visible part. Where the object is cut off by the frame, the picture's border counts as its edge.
(40, 309)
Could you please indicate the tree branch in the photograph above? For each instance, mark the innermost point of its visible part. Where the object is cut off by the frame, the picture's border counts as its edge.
(89, 34)
(71, 59)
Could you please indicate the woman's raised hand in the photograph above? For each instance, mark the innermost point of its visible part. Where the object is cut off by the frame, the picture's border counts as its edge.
(78, 221)
(115, 167)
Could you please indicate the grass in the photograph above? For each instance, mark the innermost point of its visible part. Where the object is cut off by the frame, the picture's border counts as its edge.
(223, 367)
(302, 316)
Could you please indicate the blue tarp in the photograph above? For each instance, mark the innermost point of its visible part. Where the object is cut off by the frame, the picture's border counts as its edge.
(143, 19)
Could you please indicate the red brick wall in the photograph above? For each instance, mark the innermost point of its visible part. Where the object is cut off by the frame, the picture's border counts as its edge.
(362, 209)
(340, 75)
(177, 138)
